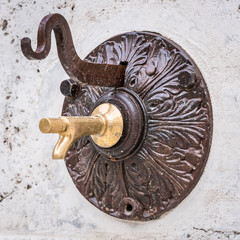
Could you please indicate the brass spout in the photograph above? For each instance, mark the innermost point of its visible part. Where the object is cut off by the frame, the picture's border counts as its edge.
(105, 127)
(70, 129)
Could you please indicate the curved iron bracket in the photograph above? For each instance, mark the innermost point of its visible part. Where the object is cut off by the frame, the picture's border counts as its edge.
(107, 75)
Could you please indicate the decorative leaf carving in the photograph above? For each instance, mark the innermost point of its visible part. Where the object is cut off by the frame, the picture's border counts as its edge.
(175, 149)
(182, 123)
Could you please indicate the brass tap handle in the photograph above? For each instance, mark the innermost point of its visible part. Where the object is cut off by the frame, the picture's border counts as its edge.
(105, 125)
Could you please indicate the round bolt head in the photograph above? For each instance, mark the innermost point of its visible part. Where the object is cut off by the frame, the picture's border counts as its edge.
(186, 79)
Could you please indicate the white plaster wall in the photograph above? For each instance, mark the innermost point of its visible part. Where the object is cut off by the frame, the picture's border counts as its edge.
(37, 197)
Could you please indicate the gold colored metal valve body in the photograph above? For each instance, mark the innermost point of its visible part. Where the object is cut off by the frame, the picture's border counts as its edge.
(105, 126)
(112, 128)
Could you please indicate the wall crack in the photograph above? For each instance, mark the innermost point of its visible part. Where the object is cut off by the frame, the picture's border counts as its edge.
(211, 231)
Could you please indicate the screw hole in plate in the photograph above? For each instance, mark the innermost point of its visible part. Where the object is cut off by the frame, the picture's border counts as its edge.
(129, 208)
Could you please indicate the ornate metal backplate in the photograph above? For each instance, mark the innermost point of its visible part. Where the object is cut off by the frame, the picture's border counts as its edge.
(176, 145)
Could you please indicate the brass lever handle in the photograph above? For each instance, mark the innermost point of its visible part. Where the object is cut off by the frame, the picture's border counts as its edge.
(105, 125)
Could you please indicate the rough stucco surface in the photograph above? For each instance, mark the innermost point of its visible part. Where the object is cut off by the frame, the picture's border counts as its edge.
(37, 197)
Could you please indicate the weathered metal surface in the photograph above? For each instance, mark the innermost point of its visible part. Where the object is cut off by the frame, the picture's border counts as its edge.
(168, 98)
(110, 74)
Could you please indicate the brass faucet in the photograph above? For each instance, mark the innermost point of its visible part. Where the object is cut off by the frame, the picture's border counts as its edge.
(106, 123)
(105, 126)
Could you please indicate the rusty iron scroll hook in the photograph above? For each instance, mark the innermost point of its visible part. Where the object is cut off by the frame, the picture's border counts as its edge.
(107, 75)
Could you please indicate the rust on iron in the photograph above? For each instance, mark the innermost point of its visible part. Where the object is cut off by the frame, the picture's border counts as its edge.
(109, 75)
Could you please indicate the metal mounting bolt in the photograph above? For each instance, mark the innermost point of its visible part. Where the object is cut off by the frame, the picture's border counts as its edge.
(187, 79)
(69, 88)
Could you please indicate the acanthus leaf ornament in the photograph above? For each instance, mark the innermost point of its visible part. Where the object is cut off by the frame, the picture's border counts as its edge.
(179, 124)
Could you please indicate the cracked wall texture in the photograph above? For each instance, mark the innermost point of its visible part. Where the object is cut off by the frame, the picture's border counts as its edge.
(37, 197)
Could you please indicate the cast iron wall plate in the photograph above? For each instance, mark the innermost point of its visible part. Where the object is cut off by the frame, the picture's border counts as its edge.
(167, 119)
(176, 135)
